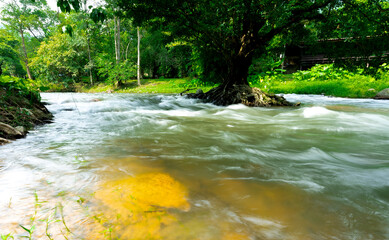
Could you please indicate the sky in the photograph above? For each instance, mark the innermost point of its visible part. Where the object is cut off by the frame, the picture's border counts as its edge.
(52, 4)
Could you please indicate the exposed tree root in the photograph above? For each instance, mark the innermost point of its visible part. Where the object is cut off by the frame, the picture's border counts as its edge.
(236, 94)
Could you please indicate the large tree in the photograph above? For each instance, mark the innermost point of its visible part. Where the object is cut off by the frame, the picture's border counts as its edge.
(28, 18)
(228, 32)
(62, 57)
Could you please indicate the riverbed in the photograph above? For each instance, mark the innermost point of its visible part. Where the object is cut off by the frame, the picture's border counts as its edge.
(165, 167)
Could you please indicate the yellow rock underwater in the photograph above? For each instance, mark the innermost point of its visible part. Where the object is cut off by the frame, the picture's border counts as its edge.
(138, 207)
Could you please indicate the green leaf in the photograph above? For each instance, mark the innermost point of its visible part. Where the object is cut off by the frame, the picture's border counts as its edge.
(27, 230)
(98, 14)
(69, 30)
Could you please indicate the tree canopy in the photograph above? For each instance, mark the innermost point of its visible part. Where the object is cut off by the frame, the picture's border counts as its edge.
(28, 18)
(227, 34)
(216, 41)
(9, 57)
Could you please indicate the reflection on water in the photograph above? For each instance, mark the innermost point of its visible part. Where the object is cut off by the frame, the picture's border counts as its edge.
(165, 167)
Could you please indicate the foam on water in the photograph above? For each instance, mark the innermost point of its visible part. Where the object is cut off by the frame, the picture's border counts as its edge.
(316, 112)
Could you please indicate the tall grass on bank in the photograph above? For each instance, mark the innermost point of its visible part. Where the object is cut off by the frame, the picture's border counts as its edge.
(327, 80)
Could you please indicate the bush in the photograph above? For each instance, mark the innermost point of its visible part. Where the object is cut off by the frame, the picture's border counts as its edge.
(61, 58)
(20, 87)
(115, 74)
(328, 80)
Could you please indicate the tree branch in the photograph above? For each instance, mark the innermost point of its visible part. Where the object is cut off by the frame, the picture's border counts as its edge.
(357, 7)
(29, 29)
(200, 30)
(297, 15)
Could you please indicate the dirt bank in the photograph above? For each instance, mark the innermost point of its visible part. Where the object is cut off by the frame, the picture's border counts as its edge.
(19, 113)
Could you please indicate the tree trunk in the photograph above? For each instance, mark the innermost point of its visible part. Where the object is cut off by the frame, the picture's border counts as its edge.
(89, 48)
(128, 45)
(237, 71)
(117, 45)
(117, 38)
(235, 88)
(138, 65)
(90, 63)
(1, 67)
(25, 53)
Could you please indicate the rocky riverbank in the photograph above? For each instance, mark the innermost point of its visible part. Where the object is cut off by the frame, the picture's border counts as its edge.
(19, 113)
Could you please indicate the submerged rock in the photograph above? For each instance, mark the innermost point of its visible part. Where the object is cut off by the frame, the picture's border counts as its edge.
(384, 94)
(159, 190)
(142, 205)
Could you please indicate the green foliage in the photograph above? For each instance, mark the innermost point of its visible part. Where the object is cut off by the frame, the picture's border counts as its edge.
(98, 15)
(162, 55)
(328, 80)
(43, 218)
(115, 74)
(33, 17)
(19, 87)
(207, 65)
(31, 21)
(356, 18)
(168, 85)
(176, 62)
(225, 36)
(6, 237)
(207, 40)
(196, 83)
(61, 58)
(18, 100)
(9, 57)
(67, 5)
(324, 72)
(383, 72)
(264, 67)
(10, 64)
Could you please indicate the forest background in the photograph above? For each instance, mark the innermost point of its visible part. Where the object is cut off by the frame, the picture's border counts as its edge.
(98, 48)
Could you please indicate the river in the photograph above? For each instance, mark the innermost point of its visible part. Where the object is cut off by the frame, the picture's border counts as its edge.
(164, 167)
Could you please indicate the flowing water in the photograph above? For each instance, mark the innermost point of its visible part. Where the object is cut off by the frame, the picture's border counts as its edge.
(165, 167)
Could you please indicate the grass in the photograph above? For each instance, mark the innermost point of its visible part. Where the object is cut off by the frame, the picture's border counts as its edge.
(321, 79)
(359, 86)
(43, 218)
(324, 80)
(6, 237)
(337, 88)
(173, 86)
